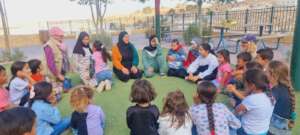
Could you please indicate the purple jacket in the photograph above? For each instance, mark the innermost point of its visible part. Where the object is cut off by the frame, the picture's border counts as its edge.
(50, 60)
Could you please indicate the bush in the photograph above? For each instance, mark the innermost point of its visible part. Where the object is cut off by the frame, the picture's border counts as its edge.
(191, 32)
(16, 55)
(105, 38)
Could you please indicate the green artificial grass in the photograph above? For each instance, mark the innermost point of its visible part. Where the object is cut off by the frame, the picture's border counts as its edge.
(115, 102)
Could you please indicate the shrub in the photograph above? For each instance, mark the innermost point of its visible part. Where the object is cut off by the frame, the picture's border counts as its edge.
(191, 32)
(104, 37)
(16, 55)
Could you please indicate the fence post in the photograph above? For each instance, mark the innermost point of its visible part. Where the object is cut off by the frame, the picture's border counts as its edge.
(210, 20)
(226, 15)
(172, 22)
(246, 19)
(183, 15)
(70, 27)
(271, 20)
(48, 26)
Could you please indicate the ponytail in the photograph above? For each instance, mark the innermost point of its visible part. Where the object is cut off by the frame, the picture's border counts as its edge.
(210, 115)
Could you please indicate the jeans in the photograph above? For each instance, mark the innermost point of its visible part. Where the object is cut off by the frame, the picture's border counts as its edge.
(181, 73)
(104, 75)
(241, 131)
(60, 127)
(279, 126)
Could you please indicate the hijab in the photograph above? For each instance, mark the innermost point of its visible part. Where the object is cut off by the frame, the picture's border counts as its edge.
(150, 48)
(125, 49)
(79, 47)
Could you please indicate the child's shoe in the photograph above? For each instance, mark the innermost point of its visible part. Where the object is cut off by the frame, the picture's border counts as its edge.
(107, 84)
(100, 87)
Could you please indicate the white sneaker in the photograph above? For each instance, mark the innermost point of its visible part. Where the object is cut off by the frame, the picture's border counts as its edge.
(100, 87)
(107, 84)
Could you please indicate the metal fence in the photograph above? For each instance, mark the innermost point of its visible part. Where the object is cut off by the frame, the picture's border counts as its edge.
(276, 19)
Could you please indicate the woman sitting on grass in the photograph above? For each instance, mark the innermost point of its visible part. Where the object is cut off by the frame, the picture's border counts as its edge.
(153, 59)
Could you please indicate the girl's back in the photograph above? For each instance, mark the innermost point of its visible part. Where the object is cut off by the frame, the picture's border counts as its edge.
(143, 120)
(166, 127)
(223, 119)
(95, 120)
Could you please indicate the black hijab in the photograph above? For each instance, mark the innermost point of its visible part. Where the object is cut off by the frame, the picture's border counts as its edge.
(150, 47)
(125, 49)
(78, 49)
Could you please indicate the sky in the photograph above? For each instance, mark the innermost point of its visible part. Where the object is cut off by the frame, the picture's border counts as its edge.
(27, 16)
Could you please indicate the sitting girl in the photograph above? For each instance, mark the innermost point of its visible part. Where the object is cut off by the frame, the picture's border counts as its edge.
(192, 55)
(35, 66)
(20, 84)
(87, 119)
(102, 72)
(283, 118)
(224, 69)
(175, 118)
(211, 118)
(49, 121)
(205, 67)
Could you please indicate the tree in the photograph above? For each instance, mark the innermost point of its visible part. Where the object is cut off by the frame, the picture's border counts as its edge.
(147, 10)
(5, 27)
(157, 17)
(98, 10)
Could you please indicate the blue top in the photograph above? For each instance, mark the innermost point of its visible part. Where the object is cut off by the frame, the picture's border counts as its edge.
(180, 56)
(47, 115)
(283, 105)
(17, 89)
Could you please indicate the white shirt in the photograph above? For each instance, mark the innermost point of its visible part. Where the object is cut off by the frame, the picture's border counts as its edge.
(256, 119)
(211, 60)
(166, 129)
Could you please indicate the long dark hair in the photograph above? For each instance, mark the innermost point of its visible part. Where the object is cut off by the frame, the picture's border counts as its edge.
(42, 91)
(176, 105)
(99, 46)
(78, 49)
(15, 68)
(207, 93)
(280, 72)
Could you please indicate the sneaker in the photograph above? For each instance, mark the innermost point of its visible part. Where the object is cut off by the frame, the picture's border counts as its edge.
(107, 84)
(100, 87)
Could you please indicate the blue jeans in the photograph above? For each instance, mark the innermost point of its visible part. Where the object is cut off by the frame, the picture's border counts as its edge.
(241, 131)
(279, 125)
(60, 127)
(104, 75)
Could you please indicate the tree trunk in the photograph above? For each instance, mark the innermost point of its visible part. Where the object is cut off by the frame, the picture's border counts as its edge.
(5, 29)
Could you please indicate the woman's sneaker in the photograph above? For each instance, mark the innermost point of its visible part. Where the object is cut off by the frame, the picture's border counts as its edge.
(108, 84)
(100, 87)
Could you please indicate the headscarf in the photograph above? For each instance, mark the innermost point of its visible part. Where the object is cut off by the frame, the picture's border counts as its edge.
(150, 48)
(125, 49)
(78, 49)
(56, 31)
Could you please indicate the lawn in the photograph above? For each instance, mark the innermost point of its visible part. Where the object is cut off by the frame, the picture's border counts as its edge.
(115, 102)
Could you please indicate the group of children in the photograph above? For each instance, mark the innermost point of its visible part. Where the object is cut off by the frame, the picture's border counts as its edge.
(259, 91)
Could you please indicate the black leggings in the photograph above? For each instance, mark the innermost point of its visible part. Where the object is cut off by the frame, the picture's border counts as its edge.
(181, 73)
(210, 77)
(125, 78)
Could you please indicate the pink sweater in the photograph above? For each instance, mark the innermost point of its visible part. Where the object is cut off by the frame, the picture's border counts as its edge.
(100, 65)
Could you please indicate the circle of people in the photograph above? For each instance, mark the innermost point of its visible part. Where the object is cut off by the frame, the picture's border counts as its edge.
(259, 90)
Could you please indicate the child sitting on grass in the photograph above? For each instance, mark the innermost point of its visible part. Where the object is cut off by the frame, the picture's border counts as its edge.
(20, 84)
(248, 44)
(224, 69)
(192, 55)
(87, 119)
(283, 118)
(18, 121)
(257, 107)
(175, 58)
(209, 117)
(4, 94)
(142, 117)
(102, 72)
(49, 121)
(35, 66)
(175, 118)
(264, 57)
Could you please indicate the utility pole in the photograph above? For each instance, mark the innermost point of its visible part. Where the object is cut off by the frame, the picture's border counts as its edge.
(295, 63)
(157, 19)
